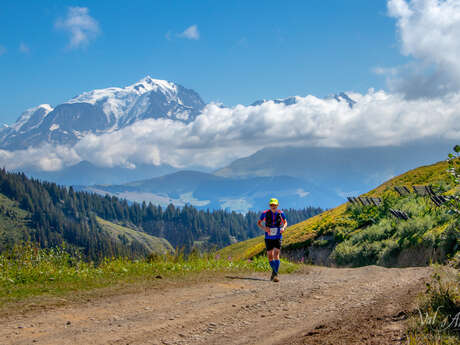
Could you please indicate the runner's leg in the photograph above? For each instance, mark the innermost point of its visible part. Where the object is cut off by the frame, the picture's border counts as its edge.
(272, 263)
(276, 259)
(270, 259)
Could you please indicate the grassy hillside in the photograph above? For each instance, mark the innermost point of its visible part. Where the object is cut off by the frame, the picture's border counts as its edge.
(14, 223)
(16, 227)
(128, 236)
(359, 235)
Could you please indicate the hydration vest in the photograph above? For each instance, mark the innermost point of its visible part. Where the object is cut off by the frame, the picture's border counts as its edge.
(269, 219)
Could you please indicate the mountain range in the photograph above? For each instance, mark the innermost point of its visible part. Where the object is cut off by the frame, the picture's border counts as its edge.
(101, 111)
(317, 176)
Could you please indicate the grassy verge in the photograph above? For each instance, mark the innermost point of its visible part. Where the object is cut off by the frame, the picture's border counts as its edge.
(437, 320)
(27, 272)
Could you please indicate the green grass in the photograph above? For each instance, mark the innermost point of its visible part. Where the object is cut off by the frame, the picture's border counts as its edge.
(127, 236)
(437, 319)
(26, 271)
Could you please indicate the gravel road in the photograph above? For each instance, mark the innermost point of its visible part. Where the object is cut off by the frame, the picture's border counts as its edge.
(322, 305)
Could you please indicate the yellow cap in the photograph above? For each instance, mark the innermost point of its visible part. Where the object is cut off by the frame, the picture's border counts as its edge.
(273, 201)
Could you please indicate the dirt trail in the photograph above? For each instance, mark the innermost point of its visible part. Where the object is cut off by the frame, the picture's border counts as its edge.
(321, 306)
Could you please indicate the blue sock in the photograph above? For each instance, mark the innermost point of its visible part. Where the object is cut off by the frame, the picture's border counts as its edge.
(272, 265)
(277, 266)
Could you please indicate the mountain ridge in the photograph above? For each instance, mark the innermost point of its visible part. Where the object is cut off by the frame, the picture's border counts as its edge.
(101, 111)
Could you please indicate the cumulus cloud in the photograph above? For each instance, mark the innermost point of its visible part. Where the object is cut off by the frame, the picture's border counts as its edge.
(191, 33)
(222, 134)
(219, 135)
(47, 157)
(428, 32)
(81, 27)
(24, 48)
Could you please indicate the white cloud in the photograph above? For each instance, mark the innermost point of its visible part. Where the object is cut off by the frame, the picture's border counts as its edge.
(23, 48)
(2, 50)
(191, 33)
(429, 31)
(47, 157)
(81, 27)
(300, 192)
(220, 135)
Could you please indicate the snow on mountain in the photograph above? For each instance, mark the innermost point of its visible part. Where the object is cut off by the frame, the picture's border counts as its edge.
(285, 101)
(119, 102)
(342, 96)
(32, 117)
(101, 110)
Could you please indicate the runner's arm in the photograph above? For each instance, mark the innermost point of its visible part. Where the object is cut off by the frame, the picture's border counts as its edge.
(264, 228)
(284, 224)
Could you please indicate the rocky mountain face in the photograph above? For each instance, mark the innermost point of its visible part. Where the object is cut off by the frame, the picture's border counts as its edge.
(100, 111)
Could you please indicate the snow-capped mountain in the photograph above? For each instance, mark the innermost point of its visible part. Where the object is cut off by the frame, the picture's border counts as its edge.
(340, 97)
(100, 111)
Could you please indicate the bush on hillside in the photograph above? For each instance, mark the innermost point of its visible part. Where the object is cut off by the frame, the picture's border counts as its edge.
(428, 226)
(369, 214)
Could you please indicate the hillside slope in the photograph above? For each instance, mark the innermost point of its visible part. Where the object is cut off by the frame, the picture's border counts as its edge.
(129, 236)
(14, 223)
(16, 226)
(359, 235)
(54, 215)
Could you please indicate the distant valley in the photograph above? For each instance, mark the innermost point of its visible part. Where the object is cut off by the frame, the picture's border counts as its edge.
(205, 190)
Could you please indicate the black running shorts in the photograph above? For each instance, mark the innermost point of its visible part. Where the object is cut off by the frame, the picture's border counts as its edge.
(270, 244)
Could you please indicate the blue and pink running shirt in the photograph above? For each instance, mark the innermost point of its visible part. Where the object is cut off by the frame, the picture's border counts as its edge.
(278, 234)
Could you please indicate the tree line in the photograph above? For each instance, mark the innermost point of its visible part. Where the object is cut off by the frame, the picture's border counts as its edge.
(60, 215)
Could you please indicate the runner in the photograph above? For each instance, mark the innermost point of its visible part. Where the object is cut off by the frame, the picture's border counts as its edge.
(275, 224)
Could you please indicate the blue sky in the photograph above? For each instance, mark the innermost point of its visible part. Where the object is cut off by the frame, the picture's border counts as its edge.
(246, 50)
(398, 59)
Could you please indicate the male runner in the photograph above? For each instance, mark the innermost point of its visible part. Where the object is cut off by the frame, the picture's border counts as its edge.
(275, 224)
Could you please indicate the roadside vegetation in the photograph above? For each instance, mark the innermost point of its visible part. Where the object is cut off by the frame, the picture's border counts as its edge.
(27, 271)
(437, 318)
(380, 238)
